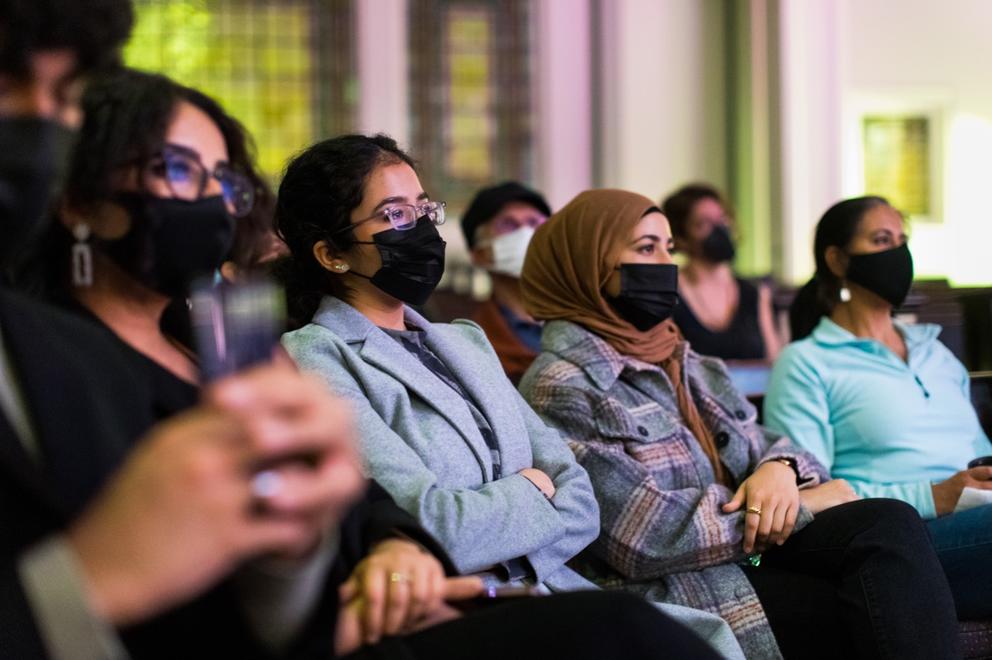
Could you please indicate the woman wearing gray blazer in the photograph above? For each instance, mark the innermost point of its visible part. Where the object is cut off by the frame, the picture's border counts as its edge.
(440, 426)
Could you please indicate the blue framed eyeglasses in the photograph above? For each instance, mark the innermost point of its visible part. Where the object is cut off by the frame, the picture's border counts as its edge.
(187, 177)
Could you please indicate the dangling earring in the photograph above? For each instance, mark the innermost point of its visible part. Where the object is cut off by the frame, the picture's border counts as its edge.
(82, 256)
(845, 293)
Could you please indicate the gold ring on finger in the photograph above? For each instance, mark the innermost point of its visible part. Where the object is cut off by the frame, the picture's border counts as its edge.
(754, 509)
(399, 577)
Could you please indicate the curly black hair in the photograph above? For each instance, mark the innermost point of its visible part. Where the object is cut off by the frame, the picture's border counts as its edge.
(320, 189)
(94, 30)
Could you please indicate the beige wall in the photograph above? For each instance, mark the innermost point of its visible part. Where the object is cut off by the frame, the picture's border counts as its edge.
(936, 57)
(654, 115)
(662, 94)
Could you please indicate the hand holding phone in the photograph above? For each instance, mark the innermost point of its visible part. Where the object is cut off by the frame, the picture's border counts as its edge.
(494, 595)
(236, 325)
(310, 467)
(303, 461)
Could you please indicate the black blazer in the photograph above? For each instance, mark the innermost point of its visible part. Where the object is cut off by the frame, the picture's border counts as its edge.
(85, 410)
(88, 407)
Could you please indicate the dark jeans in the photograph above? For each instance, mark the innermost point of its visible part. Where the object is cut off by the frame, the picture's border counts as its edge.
(964, 547)
(861, 581)
(584, 625)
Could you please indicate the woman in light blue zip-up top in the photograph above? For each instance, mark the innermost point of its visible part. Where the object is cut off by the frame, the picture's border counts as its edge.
(882, 404)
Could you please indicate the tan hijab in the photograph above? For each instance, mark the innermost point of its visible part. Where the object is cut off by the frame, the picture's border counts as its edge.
(568, 263)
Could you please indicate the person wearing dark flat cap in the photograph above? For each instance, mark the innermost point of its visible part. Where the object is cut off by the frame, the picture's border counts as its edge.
(498, 226)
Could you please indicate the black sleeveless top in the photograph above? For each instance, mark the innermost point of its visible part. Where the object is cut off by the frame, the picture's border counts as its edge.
(170, 395)
(742, 338)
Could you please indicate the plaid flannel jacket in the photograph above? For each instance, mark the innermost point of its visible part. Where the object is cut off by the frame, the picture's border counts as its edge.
(663, 532)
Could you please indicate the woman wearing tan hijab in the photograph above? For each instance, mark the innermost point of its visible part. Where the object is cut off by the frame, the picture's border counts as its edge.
(699, 504)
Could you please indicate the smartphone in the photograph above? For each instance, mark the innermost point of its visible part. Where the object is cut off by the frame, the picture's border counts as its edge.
(236, 325)
(982, 460)
(509, 591)
(495, 596)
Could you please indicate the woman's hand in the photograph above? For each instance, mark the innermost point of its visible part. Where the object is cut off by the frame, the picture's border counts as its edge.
(395, 589)
(541, 480)
(183, 510)
(398, 583)
(947, 493)
(822, 497)
(772, 500)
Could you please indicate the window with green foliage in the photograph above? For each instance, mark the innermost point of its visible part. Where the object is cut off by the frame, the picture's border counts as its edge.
(284, 68)
(470, 105)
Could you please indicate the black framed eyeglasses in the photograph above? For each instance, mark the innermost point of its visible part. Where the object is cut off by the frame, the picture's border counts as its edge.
(403, 217)
(187, 177)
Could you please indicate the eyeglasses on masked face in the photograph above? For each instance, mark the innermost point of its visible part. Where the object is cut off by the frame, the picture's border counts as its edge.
(187, 177)
(403, 217)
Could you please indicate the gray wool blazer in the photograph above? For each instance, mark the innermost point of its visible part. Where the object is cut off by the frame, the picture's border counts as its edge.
(421, 443)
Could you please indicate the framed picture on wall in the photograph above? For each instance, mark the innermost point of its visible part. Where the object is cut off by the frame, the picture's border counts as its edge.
(894, 146)
(898, 162)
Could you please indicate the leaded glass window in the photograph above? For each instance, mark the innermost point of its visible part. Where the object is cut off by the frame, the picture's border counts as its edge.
(285, 69)
(470, 104)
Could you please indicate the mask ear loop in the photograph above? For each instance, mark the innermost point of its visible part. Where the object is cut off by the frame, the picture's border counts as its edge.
(357, 274)
(347, 269)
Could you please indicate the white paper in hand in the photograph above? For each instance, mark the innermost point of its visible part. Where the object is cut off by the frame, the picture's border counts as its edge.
(972, 497)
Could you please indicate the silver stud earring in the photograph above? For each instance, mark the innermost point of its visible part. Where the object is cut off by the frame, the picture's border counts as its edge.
(82, 256)
(845, 293)
(341, 267)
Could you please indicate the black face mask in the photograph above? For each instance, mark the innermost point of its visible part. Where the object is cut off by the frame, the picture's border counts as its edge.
(718, 246)
(34, 155)
(412, 262)
(171, 242)
(649, 294)
(888, 274)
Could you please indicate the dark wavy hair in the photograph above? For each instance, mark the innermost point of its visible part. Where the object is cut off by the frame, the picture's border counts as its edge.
(817, 297)
(253, 233)
(677, 207)
(93, 30)
(127, 116)
(321, 187)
